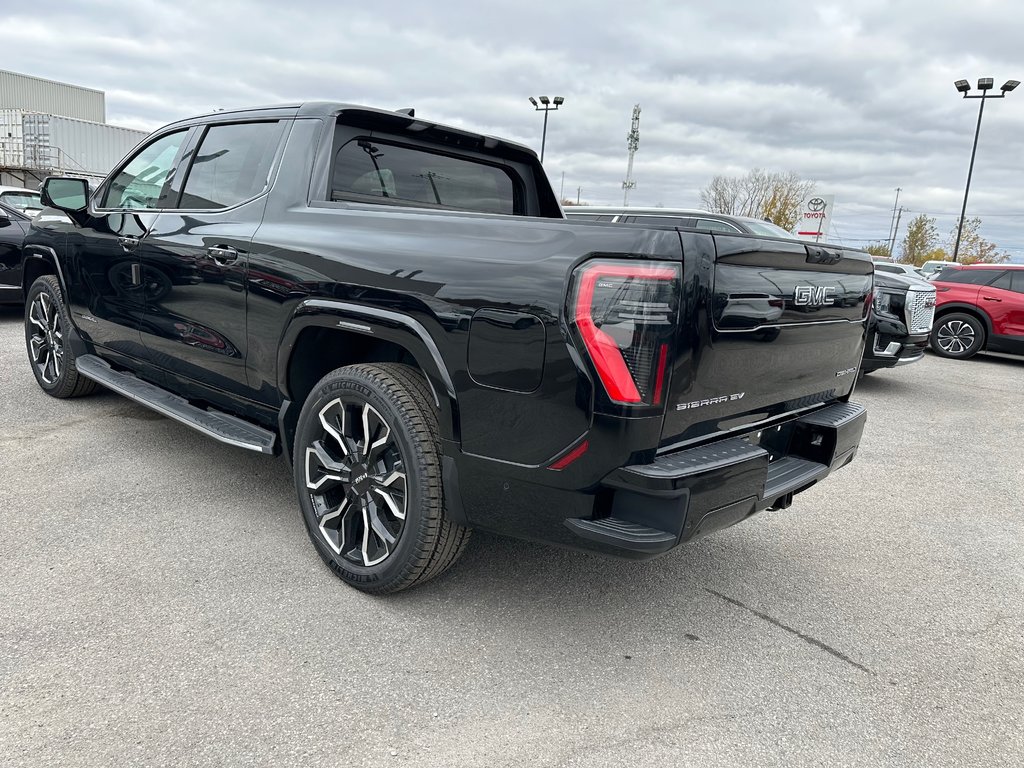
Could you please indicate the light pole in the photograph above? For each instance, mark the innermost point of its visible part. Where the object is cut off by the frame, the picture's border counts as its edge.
(984, 85)
(546, 105)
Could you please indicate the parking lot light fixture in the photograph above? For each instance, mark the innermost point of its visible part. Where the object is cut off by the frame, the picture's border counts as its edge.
(545, 107)
(985, 84)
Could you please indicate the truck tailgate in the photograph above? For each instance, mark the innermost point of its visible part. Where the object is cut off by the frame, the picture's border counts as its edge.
(778, 325)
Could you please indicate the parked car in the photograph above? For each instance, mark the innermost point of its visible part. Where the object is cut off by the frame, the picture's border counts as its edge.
(13, 228)
(903, 305)
(979, 307)
(932, 268)
(677, 217)
(897, 268)
(401, 309)
(24, 200)
(903, 311)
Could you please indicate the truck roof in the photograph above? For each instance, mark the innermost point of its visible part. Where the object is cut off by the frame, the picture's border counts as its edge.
(357, 112)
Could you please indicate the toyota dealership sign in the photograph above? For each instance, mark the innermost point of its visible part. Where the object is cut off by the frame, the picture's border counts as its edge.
(815, 217)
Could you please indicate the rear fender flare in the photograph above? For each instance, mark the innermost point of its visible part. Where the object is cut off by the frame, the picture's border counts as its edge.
(394, 327)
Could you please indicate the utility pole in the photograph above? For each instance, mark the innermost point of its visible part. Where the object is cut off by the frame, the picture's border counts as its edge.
(892, 240)
(579, 191)
(561, 191)
(632, 144)
(893, 217)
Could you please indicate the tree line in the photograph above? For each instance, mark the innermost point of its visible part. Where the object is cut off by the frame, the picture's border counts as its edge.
(776, 197)
(924, 243)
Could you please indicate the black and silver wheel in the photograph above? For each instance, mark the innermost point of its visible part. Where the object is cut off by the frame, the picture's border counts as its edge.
(368, 473)
(46, 337)
(957, 335)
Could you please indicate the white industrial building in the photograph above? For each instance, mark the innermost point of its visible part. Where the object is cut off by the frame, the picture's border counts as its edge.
(48, 128)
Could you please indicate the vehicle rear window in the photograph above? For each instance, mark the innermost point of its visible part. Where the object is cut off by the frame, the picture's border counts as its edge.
(767, 229)
(968, 276)
(405, 175)
(21, 200)
(232, 165)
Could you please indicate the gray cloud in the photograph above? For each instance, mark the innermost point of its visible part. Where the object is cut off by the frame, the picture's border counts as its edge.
(858, 99)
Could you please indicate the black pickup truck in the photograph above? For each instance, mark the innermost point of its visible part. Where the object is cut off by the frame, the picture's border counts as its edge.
(401, 310)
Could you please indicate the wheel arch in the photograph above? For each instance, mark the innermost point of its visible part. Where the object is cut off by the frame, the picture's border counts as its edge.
(39, 260)
(357, 334)
(967, 309)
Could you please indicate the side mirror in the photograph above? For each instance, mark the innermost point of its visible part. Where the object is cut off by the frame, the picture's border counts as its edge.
(5, 220)
(66, 194)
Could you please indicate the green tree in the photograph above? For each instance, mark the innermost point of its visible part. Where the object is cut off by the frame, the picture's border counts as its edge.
(975, 249)
(921, 240)
(762, 195)
(878, 249)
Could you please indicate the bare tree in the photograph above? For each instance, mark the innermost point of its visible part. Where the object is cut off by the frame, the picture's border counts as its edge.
(762, 195)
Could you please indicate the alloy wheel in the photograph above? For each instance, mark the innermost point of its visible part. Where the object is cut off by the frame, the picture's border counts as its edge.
(955, 337)
(355, 476)
(46, 343)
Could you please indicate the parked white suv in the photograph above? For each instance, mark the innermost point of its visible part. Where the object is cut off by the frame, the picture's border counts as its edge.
(21, 199)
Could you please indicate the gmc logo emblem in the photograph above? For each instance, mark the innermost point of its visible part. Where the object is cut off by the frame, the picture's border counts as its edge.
(814, 295)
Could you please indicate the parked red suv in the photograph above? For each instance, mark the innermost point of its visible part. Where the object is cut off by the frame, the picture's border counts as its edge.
(980, 306)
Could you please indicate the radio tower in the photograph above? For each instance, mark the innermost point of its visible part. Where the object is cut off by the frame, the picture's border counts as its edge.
(632, 143)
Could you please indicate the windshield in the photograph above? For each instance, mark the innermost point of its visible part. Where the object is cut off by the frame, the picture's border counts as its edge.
(21, 200)
(766, 228)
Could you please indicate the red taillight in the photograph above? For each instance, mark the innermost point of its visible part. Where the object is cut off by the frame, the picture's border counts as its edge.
(625, 314)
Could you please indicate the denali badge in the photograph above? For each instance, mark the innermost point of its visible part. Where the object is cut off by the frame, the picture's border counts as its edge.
(814, 295)
(847, 372)
(709, 401)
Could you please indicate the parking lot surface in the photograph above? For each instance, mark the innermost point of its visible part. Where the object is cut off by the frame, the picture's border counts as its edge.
(160, 604)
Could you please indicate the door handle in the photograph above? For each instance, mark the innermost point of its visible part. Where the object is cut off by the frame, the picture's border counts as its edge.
(222, 254)
(990, 298)
(128, 243)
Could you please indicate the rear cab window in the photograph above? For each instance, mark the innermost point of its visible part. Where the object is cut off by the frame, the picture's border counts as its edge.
(385, 159)
(385, 171)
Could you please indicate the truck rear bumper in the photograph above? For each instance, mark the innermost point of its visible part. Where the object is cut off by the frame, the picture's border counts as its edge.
(691, 493)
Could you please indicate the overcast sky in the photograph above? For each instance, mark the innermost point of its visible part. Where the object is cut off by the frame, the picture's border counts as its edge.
(857, 96)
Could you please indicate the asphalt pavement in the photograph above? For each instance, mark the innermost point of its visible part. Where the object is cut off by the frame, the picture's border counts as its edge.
(160, 604)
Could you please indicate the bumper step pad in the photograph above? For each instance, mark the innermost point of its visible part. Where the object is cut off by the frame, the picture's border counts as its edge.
(623, 534)
(699, 490)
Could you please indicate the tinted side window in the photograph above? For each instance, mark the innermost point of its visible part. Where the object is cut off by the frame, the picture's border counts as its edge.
(231, 165)
(716, 226)
(584, 217)
(1003, 281)
(968, 276)
(661, 221)
(411, 175)
(142, 182)
(888, 268)
(1018, 280)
